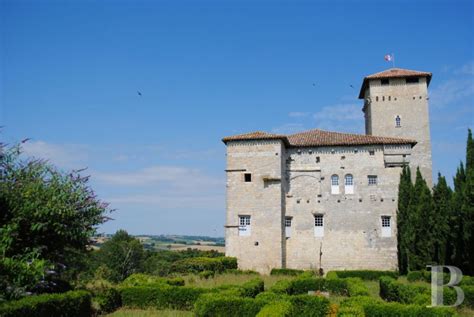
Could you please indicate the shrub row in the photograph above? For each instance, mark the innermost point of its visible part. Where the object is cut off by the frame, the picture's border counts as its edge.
(71, 304)
(301, 285)
(425, 276)
(229, 306)
(366, 275)
(363, 306)
(392, 290)
(161, 296)
(196, 265)
(107, 301)
(289, 272)
(140, 279)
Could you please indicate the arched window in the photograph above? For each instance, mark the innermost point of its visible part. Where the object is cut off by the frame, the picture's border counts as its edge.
(349, 184)
(334, 184)
(398, 122)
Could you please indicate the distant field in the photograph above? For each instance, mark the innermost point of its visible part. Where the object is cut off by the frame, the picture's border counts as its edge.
(177, 247)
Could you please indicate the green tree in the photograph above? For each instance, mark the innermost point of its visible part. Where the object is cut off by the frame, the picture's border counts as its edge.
(405, 191)
(442, 196)
(468, 207)
(47, 218)
(123, 255)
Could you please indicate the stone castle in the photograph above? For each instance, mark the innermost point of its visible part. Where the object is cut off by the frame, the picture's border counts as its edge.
(320, 199)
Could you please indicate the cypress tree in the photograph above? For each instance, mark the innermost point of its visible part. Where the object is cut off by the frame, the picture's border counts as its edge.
(468, 207)
(442, 196)
(405, 190)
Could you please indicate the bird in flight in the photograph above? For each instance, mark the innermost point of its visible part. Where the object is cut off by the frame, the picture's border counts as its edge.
(139, 93)
(352, 86)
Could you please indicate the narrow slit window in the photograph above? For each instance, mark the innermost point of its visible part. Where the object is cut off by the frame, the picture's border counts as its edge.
(334, 184)
(398, 122)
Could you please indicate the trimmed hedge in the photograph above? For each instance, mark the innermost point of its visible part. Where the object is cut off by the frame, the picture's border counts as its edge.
(252, 288)
(108, 300)
(211, 305)
(366, 275)
(345, 287)
(276, 309)
(71, 304)
(425, 276)
(140, 279)
(288, 272)
(376, 308)
(200, 264)
(392, 290)
(371, 307)
(162, 296)
(220, 305)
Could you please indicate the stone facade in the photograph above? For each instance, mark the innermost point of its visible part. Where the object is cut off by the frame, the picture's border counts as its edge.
(286, 209)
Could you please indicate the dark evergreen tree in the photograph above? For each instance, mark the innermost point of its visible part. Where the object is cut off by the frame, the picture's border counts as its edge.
(468, 208)
(442, 195)
(405, 191)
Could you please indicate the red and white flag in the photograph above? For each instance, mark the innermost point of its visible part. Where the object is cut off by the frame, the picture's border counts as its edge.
(388, 57)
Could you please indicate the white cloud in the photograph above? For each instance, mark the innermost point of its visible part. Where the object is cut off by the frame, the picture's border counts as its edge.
(466, 69)
(63, 155)
(451, 91)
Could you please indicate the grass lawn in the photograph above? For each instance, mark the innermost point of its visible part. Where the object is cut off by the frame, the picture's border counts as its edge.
(126, 312)
(232, 279)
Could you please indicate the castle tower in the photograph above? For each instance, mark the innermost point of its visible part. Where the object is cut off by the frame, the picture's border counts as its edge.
(396, 105)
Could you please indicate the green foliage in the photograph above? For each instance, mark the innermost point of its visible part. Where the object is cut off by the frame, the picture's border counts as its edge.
(161, 296)
(200, 264)
(289, 272)
(206, 274)
(47, 218)
(140, 279)
(301, 285)
(276, 309)
(240, 272)
(71, 304)
(372, 307)
(252, 288)
(366, 275)
(405, 192)
(219, 305)
(309, 306)
(122, 254)
(108, 300)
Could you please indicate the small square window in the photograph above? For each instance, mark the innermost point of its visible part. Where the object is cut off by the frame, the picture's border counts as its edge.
(412, 80)
(372, 179)
(371, 152)
(247, 177)
(385, 82)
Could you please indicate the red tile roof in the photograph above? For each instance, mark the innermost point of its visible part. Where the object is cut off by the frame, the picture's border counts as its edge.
(318, 137)
(393, 73)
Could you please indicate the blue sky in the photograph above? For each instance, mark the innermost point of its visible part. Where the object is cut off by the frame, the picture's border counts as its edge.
(70, 72)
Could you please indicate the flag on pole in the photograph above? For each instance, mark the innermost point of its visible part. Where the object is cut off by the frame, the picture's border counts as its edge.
(388, 57)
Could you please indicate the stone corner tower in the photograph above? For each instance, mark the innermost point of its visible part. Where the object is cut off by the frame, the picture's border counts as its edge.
(396, 105)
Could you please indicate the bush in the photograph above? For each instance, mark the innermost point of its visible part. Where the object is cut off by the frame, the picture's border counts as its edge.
(218, 305)
(392, 290)
(200, 264)
(162, 296)
(372, 307)
(206, 274)
(276, 309)
(252, 288)
(366, 275)
(71, 304)
(425, 276)
(241, 272)
(309, 306)
(108, 300)
(289, 272)
(345, 287)
(139, 279)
